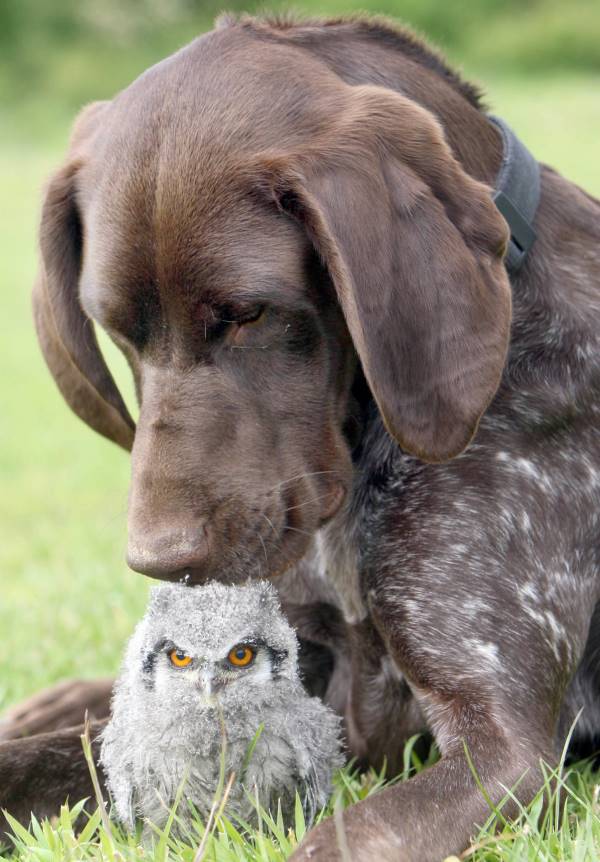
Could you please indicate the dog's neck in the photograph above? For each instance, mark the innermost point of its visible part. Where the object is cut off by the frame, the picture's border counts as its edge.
(342, 548)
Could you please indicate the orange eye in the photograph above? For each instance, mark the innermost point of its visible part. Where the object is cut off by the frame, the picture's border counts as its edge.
(241, 655)
(179, 658)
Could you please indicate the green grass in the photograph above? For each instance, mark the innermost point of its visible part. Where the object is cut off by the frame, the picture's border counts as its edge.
(219, 839)
(68, 600)
(562, 824)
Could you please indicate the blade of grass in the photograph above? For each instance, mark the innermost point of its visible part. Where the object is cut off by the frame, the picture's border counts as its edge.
(89, 758)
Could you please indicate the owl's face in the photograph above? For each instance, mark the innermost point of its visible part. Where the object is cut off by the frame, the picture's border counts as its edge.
(198, 647)
(242, 668)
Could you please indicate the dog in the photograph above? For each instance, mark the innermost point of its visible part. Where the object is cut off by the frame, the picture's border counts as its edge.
(288, 228)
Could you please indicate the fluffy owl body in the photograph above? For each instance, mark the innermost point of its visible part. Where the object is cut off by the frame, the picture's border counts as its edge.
(213, 671)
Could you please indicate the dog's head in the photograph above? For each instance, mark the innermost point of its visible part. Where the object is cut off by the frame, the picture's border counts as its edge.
(255, 235)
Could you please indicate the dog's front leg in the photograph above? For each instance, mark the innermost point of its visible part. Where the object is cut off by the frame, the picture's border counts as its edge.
(434, 814)
(487, 653)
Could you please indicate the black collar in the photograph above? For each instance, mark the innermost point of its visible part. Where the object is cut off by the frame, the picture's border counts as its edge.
(517, 195)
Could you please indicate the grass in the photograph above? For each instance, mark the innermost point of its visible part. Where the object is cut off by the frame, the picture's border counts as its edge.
(562, 824)
(220, 839)
(68, 601)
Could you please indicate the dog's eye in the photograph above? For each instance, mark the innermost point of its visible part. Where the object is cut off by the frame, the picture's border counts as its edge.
(257, 315)
(243, 326)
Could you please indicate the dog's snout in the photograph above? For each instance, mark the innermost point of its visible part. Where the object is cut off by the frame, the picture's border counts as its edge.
(168, 555)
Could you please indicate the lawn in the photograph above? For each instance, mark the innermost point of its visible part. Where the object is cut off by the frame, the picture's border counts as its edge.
(68, 600)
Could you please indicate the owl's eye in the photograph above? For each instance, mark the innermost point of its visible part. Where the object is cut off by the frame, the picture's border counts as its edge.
(241, 655)
(179, 659)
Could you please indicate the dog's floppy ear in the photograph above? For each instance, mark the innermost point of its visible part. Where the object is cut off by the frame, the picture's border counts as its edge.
(65, 333)
(414, 247)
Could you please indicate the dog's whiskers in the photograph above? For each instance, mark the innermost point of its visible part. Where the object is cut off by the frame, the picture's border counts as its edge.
(306, 502)
(264, 547)
(299, 477)
(269, 522)
(297, 530)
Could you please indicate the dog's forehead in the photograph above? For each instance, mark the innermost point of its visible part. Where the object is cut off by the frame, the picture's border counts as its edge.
(193, 120)
(227, 87)
(168, 191)
(193, 241)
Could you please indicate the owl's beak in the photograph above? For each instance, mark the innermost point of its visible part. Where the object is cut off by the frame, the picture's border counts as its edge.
(207, 686)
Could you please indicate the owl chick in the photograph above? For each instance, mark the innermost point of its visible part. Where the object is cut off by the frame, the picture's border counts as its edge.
(204, 665)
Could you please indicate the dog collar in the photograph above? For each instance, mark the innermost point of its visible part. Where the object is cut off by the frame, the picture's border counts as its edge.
(517, 195)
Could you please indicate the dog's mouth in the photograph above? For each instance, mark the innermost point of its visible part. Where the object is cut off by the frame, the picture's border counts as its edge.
(257, 560)
(264, 548)
(238, 541)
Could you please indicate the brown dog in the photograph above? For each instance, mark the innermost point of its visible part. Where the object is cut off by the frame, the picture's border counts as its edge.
(288, 229)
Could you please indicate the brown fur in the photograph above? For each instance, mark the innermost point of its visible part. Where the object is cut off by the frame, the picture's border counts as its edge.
(411, 245)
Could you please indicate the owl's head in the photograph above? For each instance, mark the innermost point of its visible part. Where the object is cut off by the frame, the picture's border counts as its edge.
(197, 647)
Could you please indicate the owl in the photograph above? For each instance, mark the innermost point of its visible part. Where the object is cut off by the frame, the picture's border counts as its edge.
(211, 674)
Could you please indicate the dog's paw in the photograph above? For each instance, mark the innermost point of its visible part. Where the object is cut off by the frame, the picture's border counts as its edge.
(354, 836)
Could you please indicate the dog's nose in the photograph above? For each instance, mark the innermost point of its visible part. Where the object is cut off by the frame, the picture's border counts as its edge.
(168, 555)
